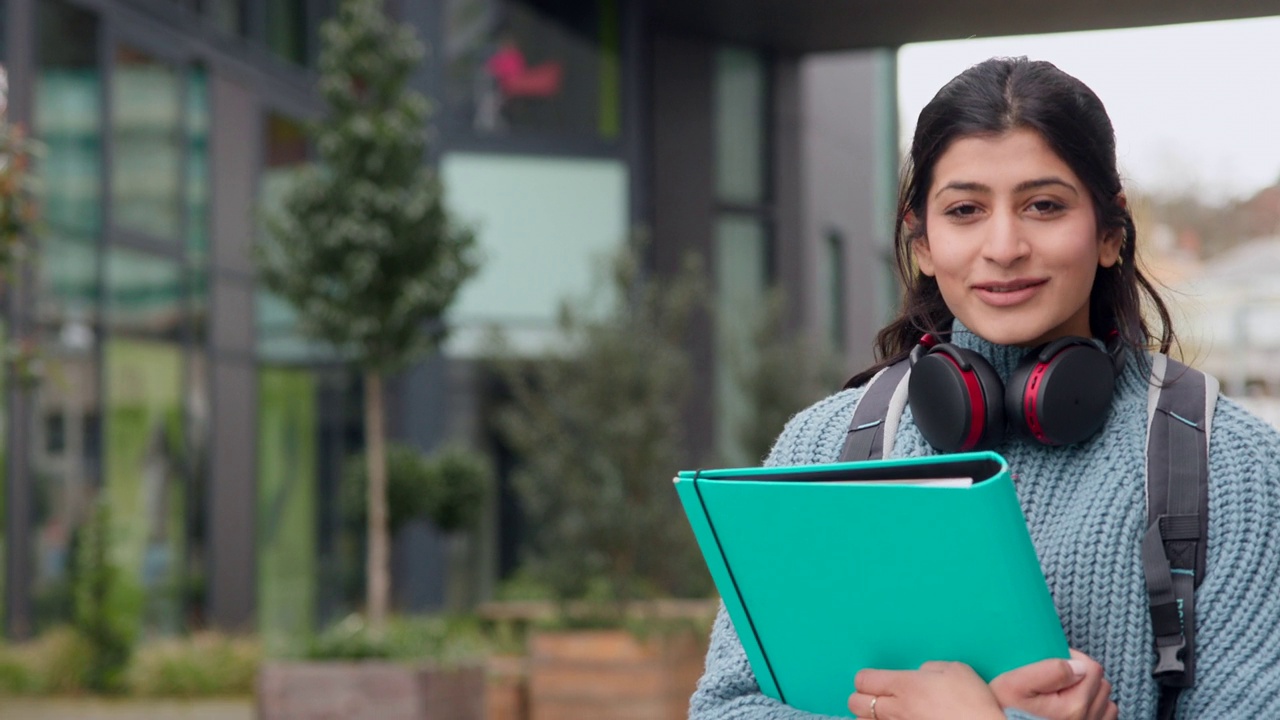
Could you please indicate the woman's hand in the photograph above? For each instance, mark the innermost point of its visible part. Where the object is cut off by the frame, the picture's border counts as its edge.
(937, 690)
(1072, 689)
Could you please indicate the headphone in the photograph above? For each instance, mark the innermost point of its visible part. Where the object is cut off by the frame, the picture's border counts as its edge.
(1059, 394)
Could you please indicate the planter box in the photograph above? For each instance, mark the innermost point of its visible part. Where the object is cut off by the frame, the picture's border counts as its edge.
(613, 675)
(33, 708)
(369, 691)
(507, 694)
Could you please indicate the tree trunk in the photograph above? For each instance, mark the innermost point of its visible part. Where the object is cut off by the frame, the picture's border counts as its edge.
(378, 565)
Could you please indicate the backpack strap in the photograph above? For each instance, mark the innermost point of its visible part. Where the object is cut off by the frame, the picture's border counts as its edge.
(877, 414)
(1180, 406)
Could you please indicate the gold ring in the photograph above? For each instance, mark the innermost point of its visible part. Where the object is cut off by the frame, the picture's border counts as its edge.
(874, 698)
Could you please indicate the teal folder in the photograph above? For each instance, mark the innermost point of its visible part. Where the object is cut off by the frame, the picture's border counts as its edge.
(824, 572)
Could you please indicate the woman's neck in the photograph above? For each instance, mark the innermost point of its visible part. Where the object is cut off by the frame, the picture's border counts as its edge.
(1004, 358)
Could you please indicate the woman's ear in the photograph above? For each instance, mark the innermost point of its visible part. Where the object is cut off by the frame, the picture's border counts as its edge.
(919, 244)
(1113, 240)
(923, 256)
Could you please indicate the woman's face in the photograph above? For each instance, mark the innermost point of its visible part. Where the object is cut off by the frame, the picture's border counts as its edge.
(1011, 237)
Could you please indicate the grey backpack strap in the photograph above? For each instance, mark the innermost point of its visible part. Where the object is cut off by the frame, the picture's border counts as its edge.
(1180, 413)
(876, 416)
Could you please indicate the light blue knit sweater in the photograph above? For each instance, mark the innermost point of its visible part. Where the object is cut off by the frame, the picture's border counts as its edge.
(1086, 509)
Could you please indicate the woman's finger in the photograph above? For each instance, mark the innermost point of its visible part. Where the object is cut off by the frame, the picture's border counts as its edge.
(864, 705)
(1101, 700)
(878, 682)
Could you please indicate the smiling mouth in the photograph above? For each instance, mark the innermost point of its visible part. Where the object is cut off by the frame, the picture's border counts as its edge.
(1011, 287)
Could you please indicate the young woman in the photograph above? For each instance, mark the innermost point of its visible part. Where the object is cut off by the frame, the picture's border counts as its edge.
(1014, 232)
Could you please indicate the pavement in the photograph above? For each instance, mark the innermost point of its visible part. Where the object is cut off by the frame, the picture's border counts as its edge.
(99, 709)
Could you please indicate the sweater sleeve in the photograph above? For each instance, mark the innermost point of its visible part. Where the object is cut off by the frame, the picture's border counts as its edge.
(1237, 606)
(728, 687)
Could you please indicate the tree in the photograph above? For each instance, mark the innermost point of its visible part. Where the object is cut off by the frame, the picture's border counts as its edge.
(364, 248)
(598, 433)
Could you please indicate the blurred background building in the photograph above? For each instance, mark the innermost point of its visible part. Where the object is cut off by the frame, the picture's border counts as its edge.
(762, 134)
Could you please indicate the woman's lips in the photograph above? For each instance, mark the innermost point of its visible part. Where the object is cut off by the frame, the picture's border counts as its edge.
(1006, 294)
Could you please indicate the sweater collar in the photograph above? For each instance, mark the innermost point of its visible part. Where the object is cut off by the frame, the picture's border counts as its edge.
(1003, 358)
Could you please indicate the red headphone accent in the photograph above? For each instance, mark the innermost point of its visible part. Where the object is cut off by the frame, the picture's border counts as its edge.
(978, 408)
(1030, 406)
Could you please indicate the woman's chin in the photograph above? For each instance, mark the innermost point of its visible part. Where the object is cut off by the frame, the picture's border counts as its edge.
(1006, 333)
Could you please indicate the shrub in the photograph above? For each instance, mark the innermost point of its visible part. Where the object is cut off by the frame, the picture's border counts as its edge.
(55, 663)
(447, 640)
(202, 665)
(449, 487)
(107, 606)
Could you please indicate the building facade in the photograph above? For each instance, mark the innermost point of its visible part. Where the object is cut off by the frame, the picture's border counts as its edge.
(759, 134)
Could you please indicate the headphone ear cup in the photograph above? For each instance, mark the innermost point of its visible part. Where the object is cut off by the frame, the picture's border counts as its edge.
(956, 399)
(1062, 399)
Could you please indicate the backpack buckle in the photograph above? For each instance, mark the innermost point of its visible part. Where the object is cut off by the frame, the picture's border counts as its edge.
(1169, 664)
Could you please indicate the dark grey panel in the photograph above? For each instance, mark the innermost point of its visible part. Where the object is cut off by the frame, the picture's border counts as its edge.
(792, 255)
(231, 320)
(232, 504)
(818, 25)
(234, 151)
(682, 186)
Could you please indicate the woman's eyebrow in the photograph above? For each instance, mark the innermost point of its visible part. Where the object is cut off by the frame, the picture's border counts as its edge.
(1045, 181)
(967, 186)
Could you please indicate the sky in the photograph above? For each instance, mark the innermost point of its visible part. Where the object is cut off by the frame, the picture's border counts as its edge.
(1195, 107)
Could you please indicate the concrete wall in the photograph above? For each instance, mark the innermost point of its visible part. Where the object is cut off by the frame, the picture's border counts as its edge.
(847, 120)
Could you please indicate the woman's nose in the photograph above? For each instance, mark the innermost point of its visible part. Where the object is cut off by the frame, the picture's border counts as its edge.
(1004, 244)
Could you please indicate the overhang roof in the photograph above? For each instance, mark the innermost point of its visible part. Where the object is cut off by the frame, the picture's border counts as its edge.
(825, 25)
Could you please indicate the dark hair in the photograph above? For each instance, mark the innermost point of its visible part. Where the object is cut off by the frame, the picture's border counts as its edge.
(991, 98)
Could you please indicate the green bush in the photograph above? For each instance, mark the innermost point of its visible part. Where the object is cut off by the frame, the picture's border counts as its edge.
(202, 665)
(449, 487)
(107, 606)
(447, 640)
(16, 676)
(60, 662)
(55, 663)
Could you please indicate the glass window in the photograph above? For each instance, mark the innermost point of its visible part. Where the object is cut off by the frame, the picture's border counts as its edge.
(287, 29)
(286, 524)
(197, 137)
(145, 295)
(741, 282)
(65, 456)
(277, 332)
(544, 226)
(68, 121)
(740, 114)
(535, 66)
(146, 112)
(66, 447)
(146, 473)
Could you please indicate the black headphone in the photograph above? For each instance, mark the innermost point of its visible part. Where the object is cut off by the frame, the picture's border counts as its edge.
(1059, 394)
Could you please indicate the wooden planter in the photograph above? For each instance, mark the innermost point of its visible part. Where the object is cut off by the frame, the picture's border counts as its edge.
(613, 675)
(370, 690)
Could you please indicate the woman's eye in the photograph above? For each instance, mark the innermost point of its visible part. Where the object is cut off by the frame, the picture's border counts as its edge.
(1045, 207)
(963, 211)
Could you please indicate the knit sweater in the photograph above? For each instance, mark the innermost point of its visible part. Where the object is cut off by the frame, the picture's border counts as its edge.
(1085, 507)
